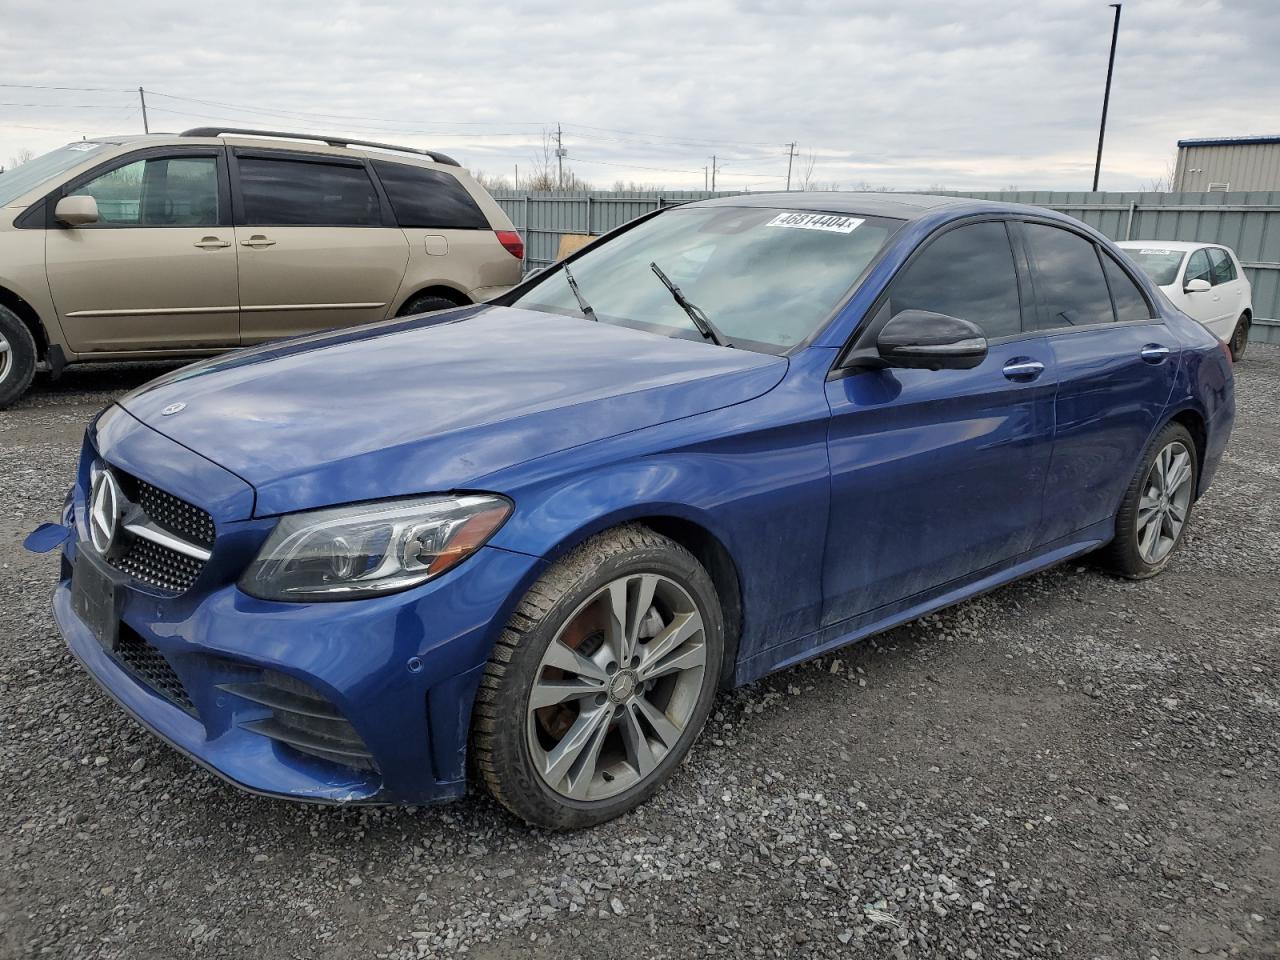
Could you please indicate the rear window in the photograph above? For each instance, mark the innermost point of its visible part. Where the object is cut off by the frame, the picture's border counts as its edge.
(429, 198)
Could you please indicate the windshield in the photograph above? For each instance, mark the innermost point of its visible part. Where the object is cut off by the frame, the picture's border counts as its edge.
(765, 278)
(1159, 264)
(25, 177)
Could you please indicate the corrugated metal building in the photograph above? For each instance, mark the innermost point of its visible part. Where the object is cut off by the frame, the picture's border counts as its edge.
(1227, 164)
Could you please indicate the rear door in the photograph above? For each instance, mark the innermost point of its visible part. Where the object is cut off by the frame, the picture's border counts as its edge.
(318, 244)
(158, 269)
(1230, 287)
(936, 475)
(1116, 362)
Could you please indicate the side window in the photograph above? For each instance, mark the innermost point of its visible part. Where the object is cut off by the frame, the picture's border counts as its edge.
(1069, 283)
(284, 192)
(1129, 301)
(968, 273)
(428, 198)
(158, 192)
(1197, 268)
(1222, 268)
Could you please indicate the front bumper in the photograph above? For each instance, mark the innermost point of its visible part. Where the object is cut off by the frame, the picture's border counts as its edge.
(403, 670)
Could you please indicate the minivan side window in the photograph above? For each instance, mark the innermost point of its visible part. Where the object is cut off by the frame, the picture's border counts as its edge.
(1068, 278)
(1197, 267)
(278, 191)
(1222, 268)
(967, 272)
(428, 198)
(1129, 301)
(157, 192)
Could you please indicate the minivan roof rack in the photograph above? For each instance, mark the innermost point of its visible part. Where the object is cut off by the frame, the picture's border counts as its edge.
(331, 141)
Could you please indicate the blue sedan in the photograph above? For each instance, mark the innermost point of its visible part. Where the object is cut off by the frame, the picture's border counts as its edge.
(523, 543)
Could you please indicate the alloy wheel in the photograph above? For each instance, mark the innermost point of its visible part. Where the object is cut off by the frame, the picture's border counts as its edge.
(6, 358)
(617, 687)
(1165, 502)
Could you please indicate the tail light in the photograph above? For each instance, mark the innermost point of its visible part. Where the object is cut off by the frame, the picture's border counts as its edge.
(512, 242)
(1226, 352)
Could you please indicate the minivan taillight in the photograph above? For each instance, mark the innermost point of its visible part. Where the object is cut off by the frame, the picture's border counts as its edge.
(511, 240)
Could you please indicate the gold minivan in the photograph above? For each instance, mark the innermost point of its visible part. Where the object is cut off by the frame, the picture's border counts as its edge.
(144, 247)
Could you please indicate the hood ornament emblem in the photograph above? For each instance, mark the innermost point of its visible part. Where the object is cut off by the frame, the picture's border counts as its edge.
(173, 408)
(106, 503)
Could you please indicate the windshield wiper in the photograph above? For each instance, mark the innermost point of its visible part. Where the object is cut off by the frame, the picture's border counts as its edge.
(700, 319)
(577, 295)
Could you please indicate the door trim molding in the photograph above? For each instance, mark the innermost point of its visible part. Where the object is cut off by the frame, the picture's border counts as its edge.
(281, 307)
(151, 311)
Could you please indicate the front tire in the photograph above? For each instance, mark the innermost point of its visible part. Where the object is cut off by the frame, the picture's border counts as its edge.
(425, 304)
(601, 682)
(1157, 506)
(1239, 341)
(17, 357)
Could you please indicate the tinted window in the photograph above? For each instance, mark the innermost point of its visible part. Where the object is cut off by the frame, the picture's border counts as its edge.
(1129, 301)
(1069, 281)
(1221, 267)
(157, 192)
(968, 273)
(298, 192)
(428, 198)
(1197, 268)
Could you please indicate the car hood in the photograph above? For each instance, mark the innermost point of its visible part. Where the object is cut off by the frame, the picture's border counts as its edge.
(434, 403)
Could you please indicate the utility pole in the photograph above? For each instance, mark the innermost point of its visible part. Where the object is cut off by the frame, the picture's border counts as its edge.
(143, 97)
(713, 173)
(559, 159)
(791, 152)
(1106, 96)
(517, 184)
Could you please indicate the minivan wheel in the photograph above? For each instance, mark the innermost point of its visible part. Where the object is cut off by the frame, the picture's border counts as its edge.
(425, 304)
(1157, 506)
(601, 681)
(1240, 339)
(17, 357)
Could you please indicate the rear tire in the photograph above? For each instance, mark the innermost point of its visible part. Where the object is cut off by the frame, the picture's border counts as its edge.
(600, 683)
(428, 303)
(1156, 508)
(17, 357)
(1239, 342)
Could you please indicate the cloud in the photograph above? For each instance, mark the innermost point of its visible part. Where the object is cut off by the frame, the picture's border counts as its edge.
(972, 95)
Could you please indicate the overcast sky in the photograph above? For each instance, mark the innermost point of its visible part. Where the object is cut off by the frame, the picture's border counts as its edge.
(907, 94)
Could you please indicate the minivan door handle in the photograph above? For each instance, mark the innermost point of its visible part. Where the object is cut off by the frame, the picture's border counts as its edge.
(211, 243)
(1154, 353)
(257, 240)
(1023, 369)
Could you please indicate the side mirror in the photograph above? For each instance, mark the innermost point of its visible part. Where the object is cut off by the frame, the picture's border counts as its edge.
(923, 340)
(1198, 285)
(75, 211)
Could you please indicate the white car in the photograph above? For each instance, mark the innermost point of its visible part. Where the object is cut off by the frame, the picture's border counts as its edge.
(1204, 281)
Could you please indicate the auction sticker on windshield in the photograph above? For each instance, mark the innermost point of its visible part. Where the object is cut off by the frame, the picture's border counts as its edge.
(830, 222)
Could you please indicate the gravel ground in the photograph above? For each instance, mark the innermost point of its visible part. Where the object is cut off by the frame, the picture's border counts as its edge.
(1073, 766)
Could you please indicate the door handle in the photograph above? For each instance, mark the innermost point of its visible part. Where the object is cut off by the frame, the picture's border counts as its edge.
(211, 243)
(1023, 369)
(257, 240)
(1154, 353)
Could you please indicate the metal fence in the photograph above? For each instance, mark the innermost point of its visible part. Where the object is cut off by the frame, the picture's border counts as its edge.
(1249, 223)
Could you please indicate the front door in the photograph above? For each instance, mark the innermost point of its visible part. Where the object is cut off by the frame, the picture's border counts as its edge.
(314, 251)
(936, 475)
(1116, 361)
(1202, 305)
(158, 269)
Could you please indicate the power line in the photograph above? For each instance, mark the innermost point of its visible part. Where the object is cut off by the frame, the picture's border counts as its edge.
(39, 86)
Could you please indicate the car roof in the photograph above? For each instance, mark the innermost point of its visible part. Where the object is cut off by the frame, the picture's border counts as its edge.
(1167, 244)
(901, 206)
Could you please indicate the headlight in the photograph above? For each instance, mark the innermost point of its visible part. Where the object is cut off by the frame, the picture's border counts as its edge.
(372, 548)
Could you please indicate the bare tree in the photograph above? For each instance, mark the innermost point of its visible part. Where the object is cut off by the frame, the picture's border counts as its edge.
(18, 159)
(1162, 183)
(805, 172)
(492, 182)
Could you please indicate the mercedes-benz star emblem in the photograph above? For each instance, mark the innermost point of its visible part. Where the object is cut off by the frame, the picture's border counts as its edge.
(173, 408)
(104, 511)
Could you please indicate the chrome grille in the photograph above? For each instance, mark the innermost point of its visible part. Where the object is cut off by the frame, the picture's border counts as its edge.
(149, 665)
(177, 516)
(159, 566)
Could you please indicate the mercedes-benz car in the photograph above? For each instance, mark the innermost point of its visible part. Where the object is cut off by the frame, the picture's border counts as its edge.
(522, 544)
